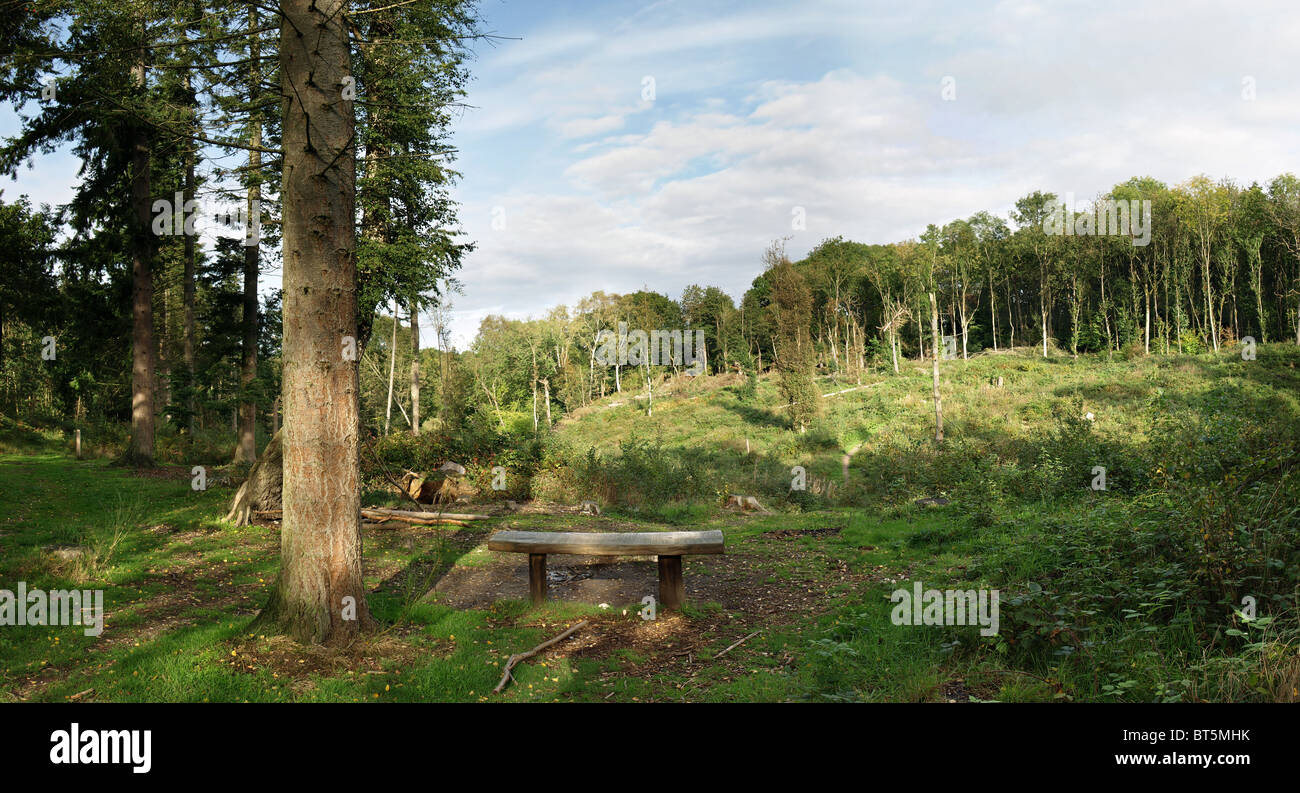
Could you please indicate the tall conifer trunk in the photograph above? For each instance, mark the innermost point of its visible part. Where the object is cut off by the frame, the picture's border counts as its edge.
(319, 595)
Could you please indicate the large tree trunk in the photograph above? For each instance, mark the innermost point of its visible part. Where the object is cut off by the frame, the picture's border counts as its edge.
(248, 373)
(938, 401)
(320, 595)
(187, 348)
(142, 339)
(247, 449)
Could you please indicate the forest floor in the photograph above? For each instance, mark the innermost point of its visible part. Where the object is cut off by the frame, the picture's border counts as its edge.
(1127, 593)
(180, 587)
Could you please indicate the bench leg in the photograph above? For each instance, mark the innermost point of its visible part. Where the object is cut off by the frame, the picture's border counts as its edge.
(672, 590)
(537, 577)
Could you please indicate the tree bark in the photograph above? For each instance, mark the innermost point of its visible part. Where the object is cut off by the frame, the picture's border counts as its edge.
(415, 365)
(247, 449)
(143, 351)
(187, 345)
(319, 595)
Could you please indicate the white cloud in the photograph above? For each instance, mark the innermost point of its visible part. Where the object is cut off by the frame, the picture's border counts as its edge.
(586, 127)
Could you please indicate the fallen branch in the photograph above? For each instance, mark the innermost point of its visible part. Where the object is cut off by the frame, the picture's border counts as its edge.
(514, 659)
(734, 646)
(849, 390)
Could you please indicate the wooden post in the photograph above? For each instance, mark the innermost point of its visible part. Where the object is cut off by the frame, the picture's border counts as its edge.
(537, 577)
(77, 435)
(671, 589)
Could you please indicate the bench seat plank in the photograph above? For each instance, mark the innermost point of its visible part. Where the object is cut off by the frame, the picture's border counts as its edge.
(630, 543)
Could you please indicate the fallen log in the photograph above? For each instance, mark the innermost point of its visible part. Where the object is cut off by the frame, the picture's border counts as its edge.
(383, 517)
(514, 659)
(370, 524)
(410, 513)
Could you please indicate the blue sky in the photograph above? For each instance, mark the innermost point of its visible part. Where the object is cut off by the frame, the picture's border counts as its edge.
(835, 109)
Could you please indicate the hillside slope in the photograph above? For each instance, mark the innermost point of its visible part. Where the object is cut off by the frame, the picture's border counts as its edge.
(708, 439)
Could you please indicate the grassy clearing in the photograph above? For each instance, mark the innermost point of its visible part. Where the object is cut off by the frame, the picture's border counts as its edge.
(1123, 594)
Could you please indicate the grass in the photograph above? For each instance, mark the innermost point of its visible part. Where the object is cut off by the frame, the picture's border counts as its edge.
(1123, 594)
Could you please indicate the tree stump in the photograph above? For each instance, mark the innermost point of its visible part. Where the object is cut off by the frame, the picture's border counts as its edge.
(438, 488)
(747, 504)
(263, 488)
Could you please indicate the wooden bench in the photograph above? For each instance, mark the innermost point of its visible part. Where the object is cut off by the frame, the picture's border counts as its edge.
(668, 546)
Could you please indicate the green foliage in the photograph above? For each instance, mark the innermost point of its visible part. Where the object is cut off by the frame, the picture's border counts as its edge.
(1191, 343)
(644, 474)
(792, 310)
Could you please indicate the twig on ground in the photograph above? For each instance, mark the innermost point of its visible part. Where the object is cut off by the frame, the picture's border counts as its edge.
(514, 659)
(737, 644)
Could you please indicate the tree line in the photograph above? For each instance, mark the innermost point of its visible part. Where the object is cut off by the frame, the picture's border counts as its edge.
(1177, 269)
